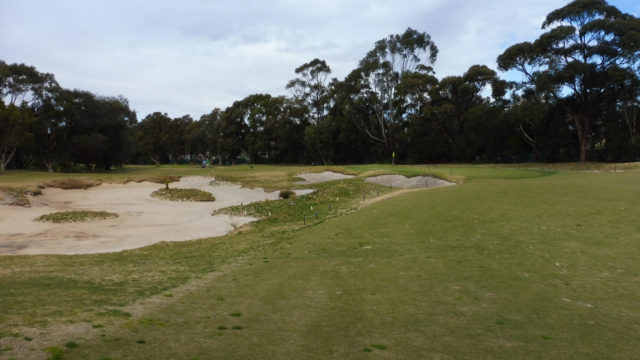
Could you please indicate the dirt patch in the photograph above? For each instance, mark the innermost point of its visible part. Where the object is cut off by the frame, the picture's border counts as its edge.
(314, 178)
(143, 220)
(400, 181)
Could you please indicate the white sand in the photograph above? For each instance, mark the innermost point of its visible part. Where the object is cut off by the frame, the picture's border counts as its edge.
(400, 181)
(314, 178)
(143, 220)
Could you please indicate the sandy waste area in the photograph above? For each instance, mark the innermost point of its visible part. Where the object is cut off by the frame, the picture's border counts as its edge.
(400, 181)
(143, 220)
(315, 178)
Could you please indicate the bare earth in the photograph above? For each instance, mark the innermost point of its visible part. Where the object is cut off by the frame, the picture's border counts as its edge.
(400, 181)
(314, 178)
(143, 220)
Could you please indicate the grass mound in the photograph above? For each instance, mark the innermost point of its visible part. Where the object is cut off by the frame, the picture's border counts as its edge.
(15, 196)
(287, 194)
(76, 216)
(183, 195)
(73, 183)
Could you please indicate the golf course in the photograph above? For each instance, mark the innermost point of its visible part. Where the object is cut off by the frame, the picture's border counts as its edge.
(532, 261)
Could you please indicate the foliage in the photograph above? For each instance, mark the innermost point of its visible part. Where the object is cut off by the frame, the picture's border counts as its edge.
(76, 216)
(183, 195)
(588, 57)
(287, 194)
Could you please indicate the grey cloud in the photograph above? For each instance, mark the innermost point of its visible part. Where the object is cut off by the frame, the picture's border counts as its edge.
(191, 56)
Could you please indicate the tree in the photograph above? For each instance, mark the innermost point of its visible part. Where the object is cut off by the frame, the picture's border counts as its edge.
(24, 83)
(310, 87)
(589, 46)
(15, 131)
(154, 138)
(233, 131)
(382, 70)
(177, 140)
(454, 100)
(311, 94)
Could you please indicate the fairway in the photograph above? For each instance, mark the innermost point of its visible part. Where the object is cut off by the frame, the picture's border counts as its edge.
(510, 264)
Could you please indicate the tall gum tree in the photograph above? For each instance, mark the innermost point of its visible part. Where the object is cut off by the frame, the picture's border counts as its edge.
(588, 49)
(383, 69)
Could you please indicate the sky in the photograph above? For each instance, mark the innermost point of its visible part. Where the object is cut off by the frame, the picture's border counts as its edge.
(191, 56)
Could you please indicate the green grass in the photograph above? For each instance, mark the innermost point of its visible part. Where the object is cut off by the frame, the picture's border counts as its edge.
(76, 216)
(183, 195)
(514, 263)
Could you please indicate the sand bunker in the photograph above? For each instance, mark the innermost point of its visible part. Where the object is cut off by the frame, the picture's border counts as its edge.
(400, 181)
(314, 178)
(143, 220)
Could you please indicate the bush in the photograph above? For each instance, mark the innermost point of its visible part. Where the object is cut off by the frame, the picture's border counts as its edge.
(183, 195)
(287, 194)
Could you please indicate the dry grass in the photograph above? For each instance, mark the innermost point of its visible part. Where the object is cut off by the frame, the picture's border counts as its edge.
(287, 194)
(73, 183)
(13, 196)
(183, 195)
(76, 216)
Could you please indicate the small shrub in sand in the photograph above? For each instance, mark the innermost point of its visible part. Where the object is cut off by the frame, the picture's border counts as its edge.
(287, 194)
(76, 216)
(183, 195)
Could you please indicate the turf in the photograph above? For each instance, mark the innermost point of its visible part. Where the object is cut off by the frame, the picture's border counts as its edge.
(514, 263)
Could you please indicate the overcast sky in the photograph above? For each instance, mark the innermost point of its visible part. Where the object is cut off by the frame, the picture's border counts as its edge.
(190, 56)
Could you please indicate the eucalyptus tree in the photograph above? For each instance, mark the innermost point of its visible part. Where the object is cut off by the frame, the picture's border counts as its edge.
(25, 91)
(311, 89)
(153, 137)
(20, 83)
(16, 124)
(311, 93)
(382, 70)
(456, 99)
(589, 50)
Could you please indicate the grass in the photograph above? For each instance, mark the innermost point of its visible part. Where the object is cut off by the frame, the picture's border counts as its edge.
(183, 195)
(76, 216)
(514, 263)
(13, 196)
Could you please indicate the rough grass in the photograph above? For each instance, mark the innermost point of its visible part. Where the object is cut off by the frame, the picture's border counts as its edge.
(13, 196)
(76, 216)
(183, 195)
(506, 268)
(287, 194)
(73, 183)
(514, 263)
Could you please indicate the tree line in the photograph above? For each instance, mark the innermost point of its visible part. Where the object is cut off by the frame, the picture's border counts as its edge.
(579, 99)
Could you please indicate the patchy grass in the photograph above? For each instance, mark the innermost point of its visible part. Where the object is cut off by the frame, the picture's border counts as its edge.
(183, 195)
(514, 263)
(76, 216)
(73, 183)
(13, 196)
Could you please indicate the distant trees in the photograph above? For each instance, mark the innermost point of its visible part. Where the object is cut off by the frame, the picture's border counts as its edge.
(46, 124)
(579, 98)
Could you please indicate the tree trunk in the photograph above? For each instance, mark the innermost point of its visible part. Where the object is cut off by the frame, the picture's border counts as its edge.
(49, 165)
(582, 128)
(5, 158)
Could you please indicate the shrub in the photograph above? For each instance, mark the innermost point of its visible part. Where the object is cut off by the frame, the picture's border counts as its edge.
(76, 216)
(287, 194)
(183, 195)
